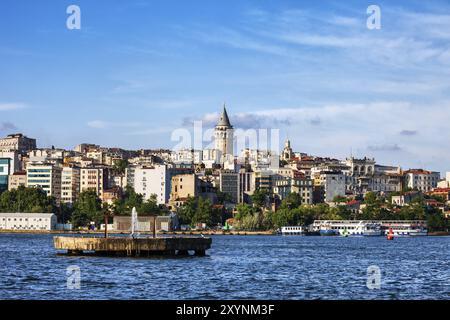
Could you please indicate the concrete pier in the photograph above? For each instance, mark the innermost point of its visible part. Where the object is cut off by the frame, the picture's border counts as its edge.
(122, 246)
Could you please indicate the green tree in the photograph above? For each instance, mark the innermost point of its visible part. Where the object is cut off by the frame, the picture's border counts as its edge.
(259, 197)
(243, 210)
(130, 199)
(339, 199)
(187, 211)
(27, 199)
(203, 212)
(87, 208)
(436, 221)
(120, 166)
(199, 210)
(292, 200)
(333, 214)
(223, 197)
(65, 212)
(284, 217)
(370, 198)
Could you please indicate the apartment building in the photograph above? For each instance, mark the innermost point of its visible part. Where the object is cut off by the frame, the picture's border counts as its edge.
(330, 184)
(70, 184)
(229, 184)
(185, 186)
(156, 180)
(17, 142)
(421, 180)
(45, 176)
(94, 178)
(17, 179)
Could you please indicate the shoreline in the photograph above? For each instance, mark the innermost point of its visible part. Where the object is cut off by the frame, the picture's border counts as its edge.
(205, 233)
(188, 233)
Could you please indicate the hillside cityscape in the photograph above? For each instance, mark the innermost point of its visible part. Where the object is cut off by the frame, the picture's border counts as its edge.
(212, 188)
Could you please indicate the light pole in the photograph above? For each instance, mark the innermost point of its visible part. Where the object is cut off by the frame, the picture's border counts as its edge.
(106, 214)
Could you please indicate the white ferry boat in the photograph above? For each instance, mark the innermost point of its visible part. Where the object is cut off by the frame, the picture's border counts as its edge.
(349, 227)
(293, 230)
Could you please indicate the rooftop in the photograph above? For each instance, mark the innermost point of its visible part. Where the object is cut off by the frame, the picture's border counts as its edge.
(224, 121)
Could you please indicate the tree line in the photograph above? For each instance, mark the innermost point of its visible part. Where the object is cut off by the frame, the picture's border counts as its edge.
(87, 208)
(255, 216)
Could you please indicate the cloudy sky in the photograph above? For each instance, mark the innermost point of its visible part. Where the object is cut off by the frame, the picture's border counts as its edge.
(138, 70)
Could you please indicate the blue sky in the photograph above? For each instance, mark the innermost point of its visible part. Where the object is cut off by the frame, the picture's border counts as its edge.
(137, 70)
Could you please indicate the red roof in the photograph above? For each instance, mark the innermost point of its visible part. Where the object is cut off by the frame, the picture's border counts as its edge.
(440, 190)
(418, 171)
(353, 202)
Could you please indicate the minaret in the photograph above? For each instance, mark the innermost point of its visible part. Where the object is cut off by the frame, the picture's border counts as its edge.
(223, 134)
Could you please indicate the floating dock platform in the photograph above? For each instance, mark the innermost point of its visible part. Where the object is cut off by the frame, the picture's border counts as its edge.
(135, 247)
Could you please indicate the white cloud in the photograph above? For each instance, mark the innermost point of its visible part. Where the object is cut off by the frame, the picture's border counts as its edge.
(100, 124)
(385, 129)
(11, 106)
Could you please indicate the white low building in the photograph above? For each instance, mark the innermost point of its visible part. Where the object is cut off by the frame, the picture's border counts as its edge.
(27, 221)
(422, 180)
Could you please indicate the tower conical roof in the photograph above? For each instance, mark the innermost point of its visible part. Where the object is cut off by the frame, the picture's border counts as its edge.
(224, 120)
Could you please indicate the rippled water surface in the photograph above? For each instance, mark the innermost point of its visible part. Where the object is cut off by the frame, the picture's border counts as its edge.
(236, 267)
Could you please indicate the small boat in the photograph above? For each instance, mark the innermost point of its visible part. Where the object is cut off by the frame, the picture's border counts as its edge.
(328, 231)
(293, 230)
(372, 230)
(418, 232)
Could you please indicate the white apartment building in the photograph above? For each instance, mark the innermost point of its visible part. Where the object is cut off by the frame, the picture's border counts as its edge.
(257, 159)
(446, 182)
(387, 183)
(70, 184)
(283, 186)
(422, 180)
(27, 221)
(96, 155)
(14, 163)
(154, 179)
(211, 157)
(47, 155)
(187, 156)
(387, 179)
(129, 175)
(45, 176)
(5, 164)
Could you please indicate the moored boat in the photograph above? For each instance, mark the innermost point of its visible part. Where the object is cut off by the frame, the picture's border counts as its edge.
(348, 228)
(293, 230)
(328, 231)
(408, 231)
